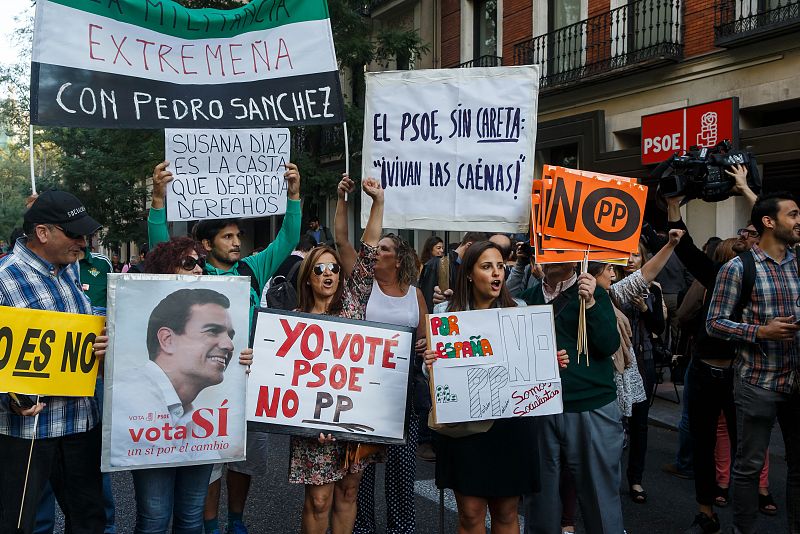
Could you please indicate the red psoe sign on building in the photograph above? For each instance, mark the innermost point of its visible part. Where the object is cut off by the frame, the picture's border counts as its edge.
(703, 125)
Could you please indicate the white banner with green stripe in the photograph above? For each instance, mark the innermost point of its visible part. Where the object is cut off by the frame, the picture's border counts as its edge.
(157, 64)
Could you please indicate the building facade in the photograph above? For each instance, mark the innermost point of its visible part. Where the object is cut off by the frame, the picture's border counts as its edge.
(605, 64)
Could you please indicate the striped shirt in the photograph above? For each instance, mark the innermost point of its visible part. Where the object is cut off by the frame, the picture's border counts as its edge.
(768, 364)
(28, 281)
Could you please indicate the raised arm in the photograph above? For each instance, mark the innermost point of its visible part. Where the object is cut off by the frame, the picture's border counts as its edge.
(422, 332)
(372, 233)
(695, 260)
(651, 269)
(347, 251)
(740, 186)
(157, 230)
(265, 263)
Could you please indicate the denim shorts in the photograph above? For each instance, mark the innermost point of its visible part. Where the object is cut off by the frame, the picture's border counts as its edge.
(256, 461)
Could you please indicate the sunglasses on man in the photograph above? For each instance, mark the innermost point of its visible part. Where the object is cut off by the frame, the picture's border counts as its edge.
(68, 234)
(747, 233)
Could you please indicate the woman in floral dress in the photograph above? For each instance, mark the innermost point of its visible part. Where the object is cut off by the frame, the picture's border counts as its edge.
(330, 469)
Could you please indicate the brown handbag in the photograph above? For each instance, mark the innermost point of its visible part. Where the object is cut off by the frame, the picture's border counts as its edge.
(359, 451)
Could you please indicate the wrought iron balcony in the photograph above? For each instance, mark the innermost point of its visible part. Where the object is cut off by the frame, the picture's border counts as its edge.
(483, 61)
(326, 141)
(331, 142)
(639, 34)
(738, 22)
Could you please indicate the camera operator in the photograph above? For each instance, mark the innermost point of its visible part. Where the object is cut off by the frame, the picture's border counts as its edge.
(710, 377)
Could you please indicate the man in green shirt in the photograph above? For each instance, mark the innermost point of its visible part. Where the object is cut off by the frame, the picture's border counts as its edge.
(221, 239)
(588, 435)
(94, 272)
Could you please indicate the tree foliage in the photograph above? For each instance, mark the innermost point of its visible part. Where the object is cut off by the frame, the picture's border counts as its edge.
(358, 44)
(14, 188)
(107, 169)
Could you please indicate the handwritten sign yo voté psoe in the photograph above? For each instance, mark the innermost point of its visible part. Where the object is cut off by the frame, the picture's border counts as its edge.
(313, 374)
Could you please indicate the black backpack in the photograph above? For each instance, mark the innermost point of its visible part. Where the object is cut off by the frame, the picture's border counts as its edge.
(245, 270)
(705, 346)
(282, 294)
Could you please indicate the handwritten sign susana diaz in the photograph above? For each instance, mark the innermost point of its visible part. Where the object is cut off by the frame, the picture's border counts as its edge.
(220, 174)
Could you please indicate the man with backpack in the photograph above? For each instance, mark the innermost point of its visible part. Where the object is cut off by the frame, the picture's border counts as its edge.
(766, 378)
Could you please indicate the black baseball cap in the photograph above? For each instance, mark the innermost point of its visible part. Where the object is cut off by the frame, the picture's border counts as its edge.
(63, 209)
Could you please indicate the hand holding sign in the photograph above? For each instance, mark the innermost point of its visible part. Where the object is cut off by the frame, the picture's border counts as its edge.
(292, 176)
(100, 345)
(161, 177)
(430, 357)
(246, 358)
(345, 186)
(30, 411)
(563, 358)
(586, 286)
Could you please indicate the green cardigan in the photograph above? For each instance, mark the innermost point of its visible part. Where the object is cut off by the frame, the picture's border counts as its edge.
(263, 265)
(586, 387)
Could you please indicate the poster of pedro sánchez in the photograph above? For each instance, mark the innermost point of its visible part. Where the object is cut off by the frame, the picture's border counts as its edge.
(174, 388)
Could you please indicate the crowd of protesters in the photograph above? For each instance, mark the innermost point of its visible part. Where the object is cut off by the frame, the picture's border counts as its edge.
(730, 310)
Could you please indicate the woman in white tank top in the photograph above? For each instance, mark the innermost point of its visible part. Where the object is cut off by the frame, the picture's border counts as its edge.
(402, 310)
(394, 300)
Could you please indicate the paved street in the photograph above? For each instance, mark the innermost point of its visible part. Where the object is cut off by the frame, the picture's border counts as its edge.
(274, 505)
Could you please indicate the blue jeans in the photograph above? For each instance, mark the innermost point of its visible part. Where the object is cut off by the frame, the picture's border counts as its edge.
(757, 410)
(171, 492)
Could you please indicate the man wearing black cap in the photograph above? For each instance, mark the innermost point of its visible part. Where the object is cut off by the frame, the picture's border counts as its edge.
(42, 273)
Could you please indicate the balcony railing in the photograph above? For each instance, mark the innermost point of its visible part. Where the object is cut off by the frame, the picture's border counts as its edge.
(331, 142)
(483, 61)
(640, 33)
(326, 141)
(742, 21)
